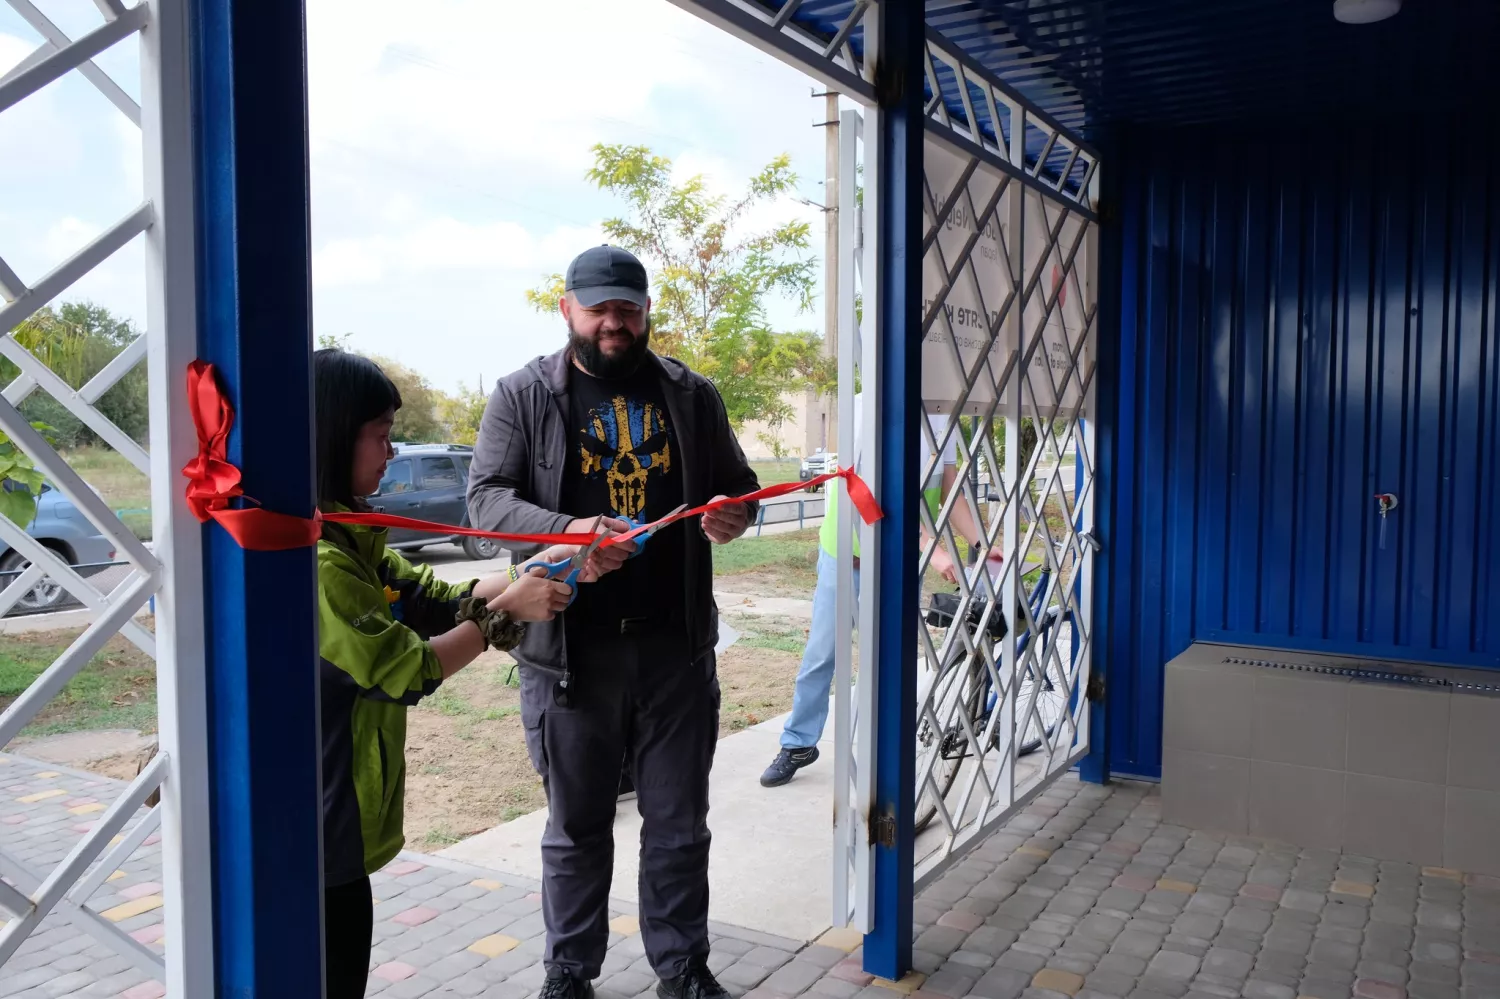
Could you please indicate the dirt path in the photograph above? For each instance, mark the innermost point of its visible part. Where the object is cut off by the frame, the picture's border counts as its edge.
(467, 768)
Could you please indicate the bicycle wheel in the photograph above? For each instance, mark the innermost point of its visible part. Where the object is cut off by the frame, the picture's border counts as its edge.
(943, 749)
(1051, 698)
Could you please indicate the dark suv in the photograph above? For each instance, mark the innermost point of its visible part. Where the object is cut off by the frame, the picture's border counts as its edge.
(429, 482)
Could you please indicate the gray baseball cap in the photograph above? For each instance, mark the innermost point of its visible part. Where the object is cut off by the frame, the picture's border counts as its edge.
(607, 274)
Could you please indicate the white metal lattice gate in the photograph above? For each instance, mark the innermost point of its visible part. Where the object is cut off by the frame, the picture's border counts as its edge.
(169, 569)
(1010, 256)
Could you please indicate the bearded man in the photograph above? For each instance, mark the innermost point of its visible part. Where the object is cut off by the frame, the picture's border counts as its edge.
(607, 427)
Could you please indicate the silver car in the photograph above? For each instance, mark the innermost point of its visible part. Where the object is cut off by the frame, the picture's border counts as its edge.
(62, 527)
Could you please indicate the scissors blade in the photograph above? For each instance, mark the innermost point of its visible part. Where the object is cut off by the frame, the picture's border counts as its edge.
(663, 522)
(583, 553)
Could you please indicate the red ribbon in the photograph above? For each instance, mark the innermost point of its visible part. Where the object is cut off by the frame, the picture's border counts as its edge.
(391, 520)
(213, 483)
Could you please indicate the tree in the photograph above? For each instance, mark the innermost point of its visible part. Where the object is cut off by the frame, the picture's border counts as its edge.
(712, 279)
(76, 341)
(417, 420)
(460, 414)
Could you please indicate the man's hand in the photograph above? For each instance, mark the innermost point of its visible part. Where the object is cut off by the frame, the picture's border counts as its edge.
(604, 559)
(943, 563)
(727, 522)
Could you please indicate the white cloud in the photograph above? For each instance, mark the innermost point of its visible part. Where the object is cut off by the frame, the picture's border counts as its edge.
(446, 245)
(448, 148)
(474, 84)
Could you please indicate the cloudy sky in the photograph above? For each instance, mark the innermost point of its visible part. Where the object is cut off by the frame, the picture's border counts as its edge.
(448, 152)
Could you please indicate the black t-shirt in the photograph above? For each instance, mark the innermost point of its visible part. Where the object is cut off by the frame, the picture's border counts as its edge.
(623, 461)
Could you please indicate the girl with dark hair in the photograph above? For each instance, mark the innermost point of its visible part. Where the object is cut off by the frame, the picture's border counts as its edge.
(389, 634)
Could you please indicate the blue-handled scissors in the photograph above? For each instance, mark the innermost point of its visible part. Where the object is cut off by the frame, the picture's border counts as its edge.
(568, 569)
(641, 539)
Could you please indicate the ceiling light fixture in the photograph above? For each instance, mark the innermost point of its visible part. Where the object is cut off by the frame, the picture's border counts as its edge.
(1364, 11)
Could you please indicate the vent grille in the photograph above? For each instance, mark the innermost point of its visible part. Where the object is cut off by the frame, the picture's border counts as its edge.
(1412, 677)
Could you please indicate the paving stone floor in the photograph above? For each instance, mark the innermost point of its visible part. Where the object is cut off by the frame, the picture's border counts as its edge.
(1086, 893)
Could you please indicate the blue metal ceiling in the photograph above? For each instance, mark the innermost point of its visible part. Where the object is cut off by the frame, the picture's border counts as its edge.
(1178, 62)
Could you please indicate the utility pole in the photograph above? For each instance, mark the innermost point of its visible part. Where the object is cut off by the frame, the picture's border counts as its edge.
(827, 410)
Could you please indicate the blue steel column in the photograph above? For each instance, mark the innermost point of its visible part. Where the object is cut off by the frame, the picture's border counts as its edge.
(255, 324)
(1114, 434)
(898, 145)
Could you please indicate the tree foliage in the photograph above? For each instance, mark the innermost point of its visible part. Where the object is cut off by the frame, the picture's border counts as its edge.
(76, 341)
(417, 420)
(427, 415)
(712, 277)
(461, 413)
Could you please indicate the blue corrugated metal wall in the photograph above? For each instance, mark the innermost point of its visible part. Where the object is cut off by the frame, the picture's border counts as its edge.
(1298, 322)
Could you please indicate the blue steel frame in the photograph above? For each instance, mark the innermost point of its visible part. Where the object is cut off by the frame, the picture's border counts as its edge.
(899, 145)
(255, 324)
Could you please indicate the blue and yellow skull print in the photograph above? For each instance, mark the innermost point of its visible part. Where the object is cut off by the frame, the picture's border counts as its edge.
(628, 442)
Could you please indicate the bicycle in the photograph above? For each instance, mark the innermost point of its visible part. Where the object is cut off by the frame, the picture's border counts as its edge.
(963, 691)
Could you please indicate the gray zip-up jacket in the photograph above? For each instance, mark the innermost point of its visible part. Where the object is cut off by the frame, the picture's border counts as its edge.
(515, 481)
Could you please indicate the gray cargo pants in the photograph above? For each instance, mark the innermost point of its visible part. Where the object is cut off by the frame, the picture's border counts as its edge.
(640, 692)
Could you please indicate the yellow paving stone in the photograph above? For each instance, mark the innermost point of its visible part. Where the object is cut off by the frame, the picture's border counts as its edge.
(844, 939)
(1034, 851)
(494, 945)
(48, 775)
(487, 884)
(1443, 872)
(1167, 884)
(134, 907)
(625, 925)
(117, 875)
(1353, 888)
(32, 799)
(88, 809)
(117, 840)
(1058, 981)
(906, 986)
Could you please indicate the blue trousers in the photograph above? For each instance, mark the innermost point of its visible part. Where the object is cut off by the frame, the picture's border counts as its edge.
(804, 727)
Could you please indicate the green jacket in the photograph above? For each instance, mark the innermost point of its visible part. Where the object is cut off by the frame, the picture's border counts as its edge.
(376, 612)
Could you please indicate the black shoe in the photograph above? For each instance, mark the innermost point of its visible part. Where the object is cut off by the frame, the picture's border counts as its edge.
(695, 983)
(627, 787)
(786, 765)
(565, 987)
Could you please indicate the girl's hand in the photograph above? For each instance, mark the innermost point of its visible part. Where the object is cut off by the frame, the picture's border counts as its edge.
(533, 597)
(592, 569)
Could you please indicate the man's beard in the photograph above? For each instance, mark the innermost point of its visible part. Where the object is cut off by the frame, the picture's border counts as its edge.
(601, 365)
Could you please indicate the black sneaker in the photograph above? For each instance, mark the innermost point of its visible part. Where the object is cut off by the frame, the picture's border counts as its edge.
(786, 765)
(559, 986)
(627, 786)
(695, 983)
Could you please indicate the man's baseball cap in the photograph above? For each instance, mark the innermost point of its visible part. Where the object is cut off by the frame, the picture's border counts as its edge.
(607, 274)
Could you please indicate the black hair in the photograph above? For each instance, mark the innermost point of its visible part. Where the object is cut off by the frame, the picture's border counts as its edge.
(348, 392)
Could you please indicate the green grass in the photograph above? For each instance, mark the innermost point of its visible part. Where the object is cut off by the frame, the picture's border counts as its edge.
(777, 633)
(116, 689)
(441, 837)
(796, 551)
(120, 483)
(774, 473)
(454, 705)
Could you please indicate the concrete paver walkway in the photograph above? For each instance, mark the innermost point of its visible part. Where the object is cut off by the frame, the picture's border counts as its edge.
(1086, 893)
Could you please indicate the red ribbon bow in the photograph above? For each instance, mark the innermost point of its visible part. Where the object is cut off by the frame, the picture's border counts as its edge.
(213, 483)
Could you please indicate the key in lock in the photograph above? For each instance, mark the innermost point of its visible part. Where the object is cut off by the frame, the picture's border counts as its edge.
(1386, 502)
